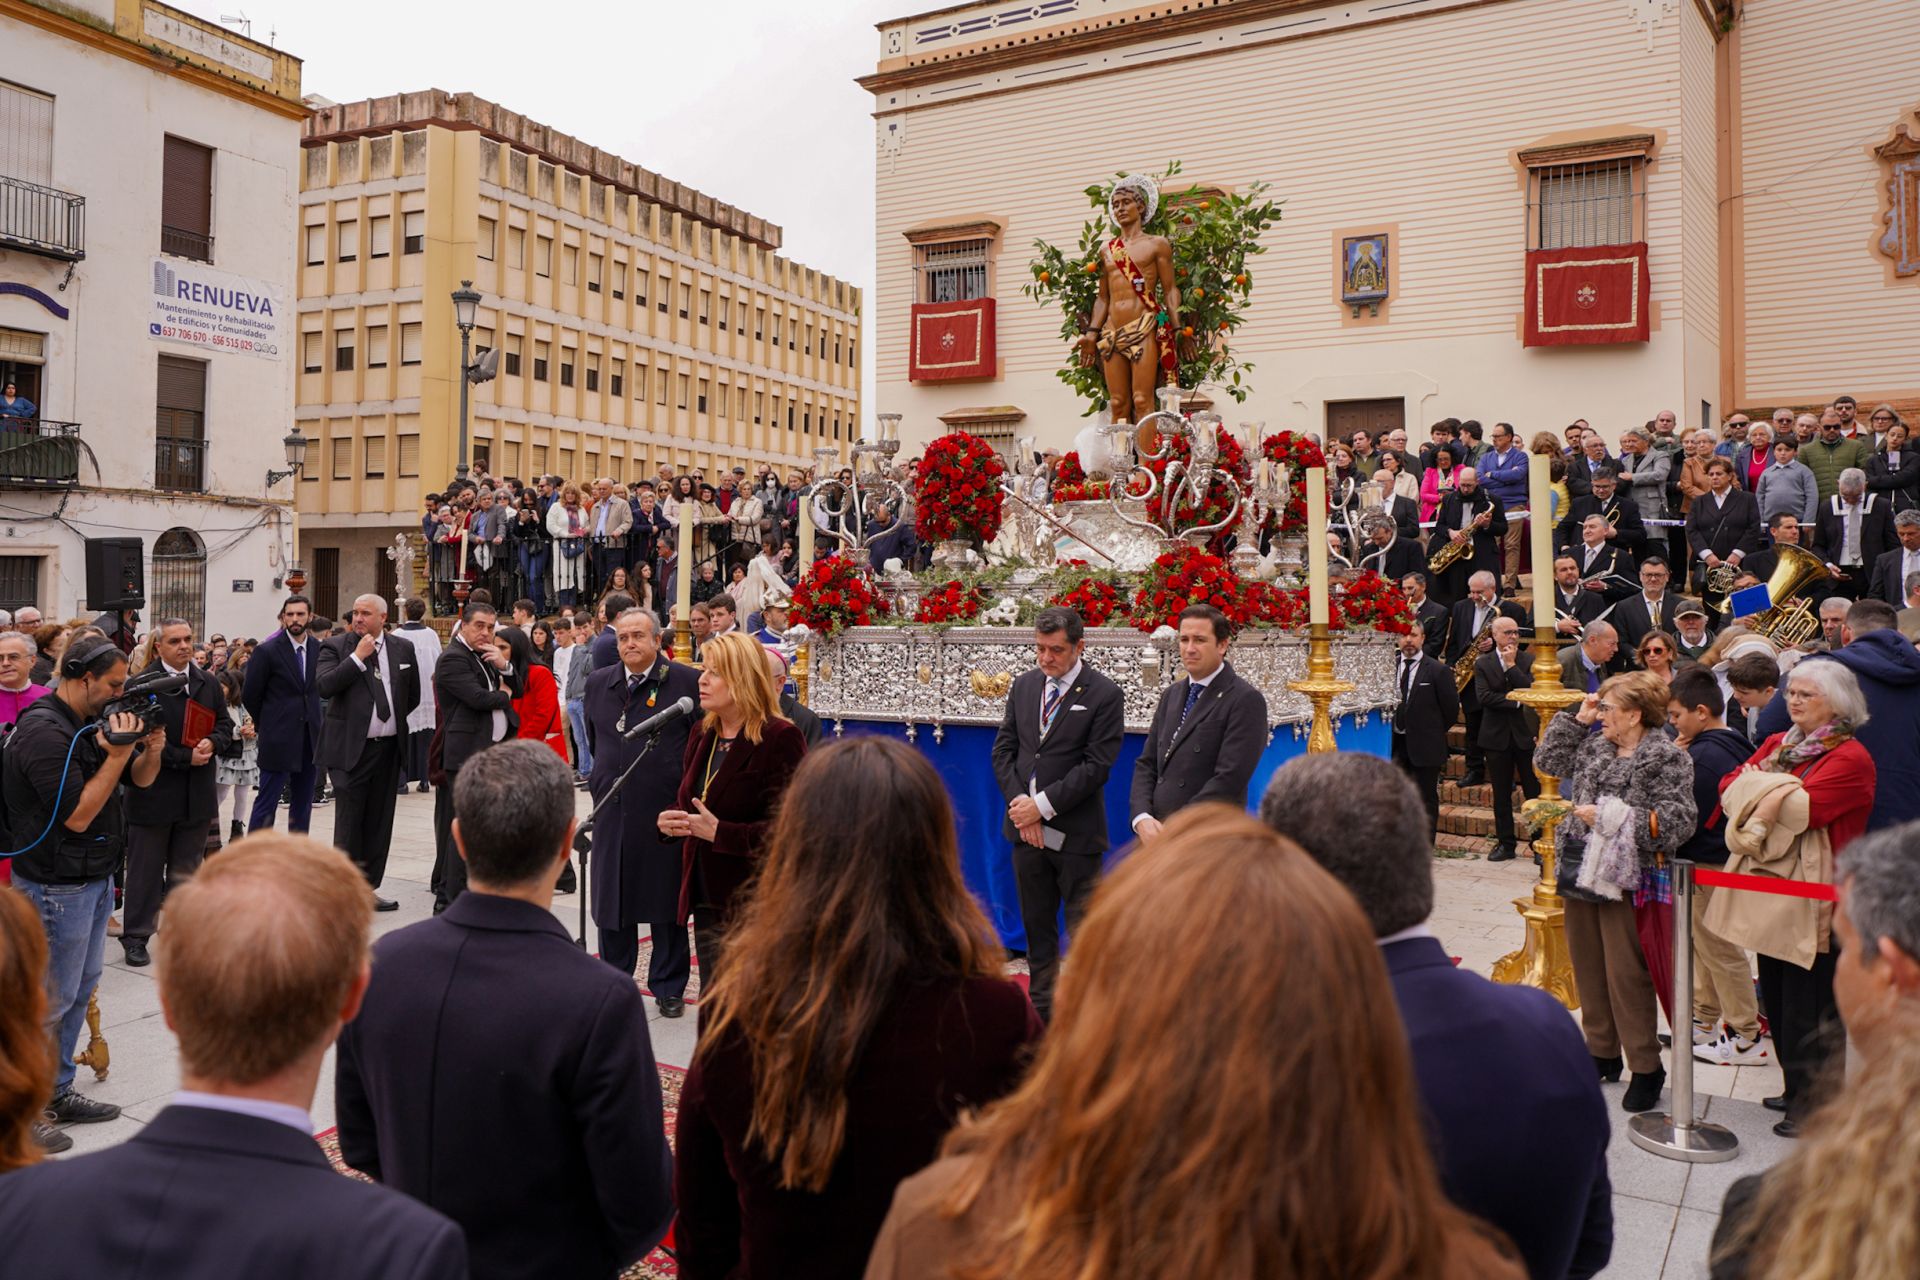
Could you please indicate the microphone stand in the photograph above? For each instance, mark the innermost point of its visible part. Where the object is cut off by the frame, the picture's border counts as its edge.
(583, 838)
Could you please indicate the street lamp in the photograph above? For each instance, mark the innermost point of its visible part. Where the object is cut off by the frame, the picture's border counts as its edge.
(466, 305)
(296, 447)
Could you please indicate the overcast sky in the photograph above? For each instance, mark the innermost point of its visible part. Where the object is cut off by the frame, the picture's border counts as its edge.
(750, 101)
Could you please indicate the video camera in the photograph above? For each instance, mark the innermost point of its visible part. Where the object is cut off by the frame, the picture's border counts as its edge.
(142, 699)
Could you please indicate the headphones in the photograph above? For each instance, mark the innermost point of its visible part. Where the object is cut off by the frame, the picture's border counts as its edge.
(85, 658)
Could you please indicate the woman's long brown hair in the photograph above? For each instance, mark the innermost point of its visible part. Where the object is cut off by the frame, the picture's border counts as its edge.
(26, 1054)
(1225, 1089)
(860, 893)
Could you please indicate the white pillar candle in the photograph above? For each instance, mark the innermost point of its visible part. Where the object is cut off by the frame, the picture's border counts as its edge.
(1317, 545)
(1540, 539)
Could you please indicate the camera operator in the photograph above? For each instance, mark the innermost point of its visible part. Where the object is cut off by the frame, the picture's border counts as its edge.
(168, 822)
(65, 814)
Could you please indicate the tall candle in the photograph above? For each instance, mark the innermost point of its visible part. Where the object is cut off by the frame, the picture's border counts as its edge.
(463, 555)
(683, 566)
(1317, 545)
(806, 532)
(1540, 539)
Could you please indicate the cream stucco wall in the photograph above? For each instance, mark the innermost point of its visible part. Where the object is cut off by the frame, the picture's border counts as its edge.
(1412, 123)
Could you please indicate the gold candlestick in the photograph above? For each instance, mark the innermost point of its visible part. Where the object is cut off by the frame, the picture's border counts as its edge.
(1542, 960)
(1321, 687)
(802, 672)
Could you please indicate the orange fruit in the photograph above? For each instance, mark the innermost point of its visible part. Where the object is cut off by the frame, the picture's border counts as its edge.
(1044, 277)
(1236, 279)
(1199, 293)
(1187, 331)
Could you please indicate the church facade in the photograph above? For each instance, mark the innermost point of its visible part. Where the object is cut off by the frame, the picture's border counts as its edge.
(1520, 210)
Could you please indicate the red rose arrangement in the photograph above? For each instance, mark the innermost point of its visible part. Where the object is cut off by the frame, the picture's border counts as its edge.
(833, 595)
(1070, 482)
(1296, 452)
(1219, 498)
(1371, 603)
(956, 490)
(1182, 577)
(1096, 600)
(1269, 606)
(954, 602)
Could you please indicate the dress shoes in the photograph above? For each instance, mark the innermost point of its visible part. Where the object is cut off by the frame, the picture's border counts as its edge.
(1474, 778)
(671, 1006)
(1501, 853)
(384, 904)
(1778, 1102)
(1643, 1091)
(1788, 1128)
(136, 949)
(1610, 1068)
(569, 881)
(422, 788)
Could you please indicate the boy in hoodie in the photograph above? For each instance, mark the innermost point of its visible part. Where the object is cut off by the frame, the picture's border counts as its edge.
(1722, 979)
(1888, 668)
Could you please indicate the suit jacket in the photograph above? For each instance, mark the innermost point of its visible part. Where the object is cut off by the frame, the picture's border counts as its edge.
(489, 1020)
(199, 1192)
(1209, 756)
(184, 791)
(743, 793)
(1505, 725)
(285, 708)
(1430, 708)
(1633, 619)
(1070, 764)
(1583, 605)
(1723, 528)
(636, 875)
(619, 520)
(1486, 542)
(1886, 583)
(803, 719)
(1900, 483)
(1612, 566)
(1876, 530)
(349, 694)
(1406, 516)
(1461, 633)
(1573, 671)
(1629, 530)
(1404, 555)
(468, 692)
(1580, 476)
(1529, 1156)
(1434, 620)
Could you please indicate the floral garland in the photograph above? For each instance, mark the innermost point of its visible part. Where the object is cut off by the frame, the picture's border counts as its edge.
(1219, 500)
(955, 602)
(1268, 606)
(1097, 600)
(833, 595)
(1071, 482)
(957, 490)
(1182, 577)
(1371, 602)
(1296, 451)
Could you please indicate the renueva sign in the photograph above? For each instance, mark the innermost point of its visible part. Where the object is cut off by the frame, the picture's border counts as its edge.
(198, 306)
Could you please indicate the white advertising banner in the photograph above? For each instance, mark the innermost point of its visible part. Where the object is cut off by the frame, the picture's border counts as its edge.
(197, 305)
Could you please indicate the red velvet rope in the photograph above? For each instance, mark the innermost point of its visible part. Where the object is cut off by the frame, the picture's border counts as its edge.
(1766, 884)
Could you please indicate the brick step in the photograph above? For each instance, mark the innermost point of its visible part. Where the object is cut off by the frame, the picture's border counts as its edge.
(1450, 845)
(1466, 820)
(1457, 738)
(1451, 792)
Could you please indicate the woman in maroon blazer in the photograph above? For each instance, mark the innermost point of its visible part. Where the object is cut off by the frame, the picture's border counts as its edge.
(738, 763)
(862, 1010)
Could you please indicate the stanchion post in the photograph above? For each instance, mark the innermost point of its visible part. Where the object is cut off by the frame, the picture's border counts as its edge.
(1677, 1135)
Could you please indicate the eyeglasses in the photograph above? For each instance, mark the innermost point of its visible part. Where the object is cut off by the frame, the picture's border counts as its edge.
(1607, 706)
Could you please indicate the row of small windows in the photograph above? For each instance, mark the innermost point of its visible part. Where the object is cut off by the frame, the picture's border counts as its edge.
(313, 350)
(413, 238)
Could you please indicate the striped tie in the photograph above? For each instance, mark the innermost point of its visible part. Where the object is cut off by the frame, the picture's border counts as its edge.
(1051, 708)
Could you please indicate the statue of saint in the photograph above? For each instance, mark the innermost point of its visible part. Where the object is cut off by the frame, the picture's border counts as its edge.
(1130, 334)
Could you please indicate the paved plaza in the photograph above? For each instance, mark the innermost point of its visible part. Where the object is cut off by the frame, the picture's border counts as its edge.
(1664, 1210)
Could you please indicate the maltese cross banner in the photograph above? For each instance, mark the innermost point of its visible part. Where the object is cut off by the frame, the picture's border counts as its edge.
(952, 341)
(1585, 296)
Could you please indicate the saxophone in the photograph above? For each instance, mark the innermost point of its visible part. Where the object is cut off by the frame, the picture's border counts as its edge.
(1454, 552)
(1463, 665)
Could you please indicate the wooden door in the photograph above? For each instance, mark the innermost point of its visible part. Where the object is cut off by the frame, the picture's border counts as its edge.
(1375, 417)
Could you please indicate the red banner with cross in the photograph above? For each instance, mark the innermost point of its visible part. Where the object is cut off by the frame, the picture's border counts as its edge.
(1585, 296)
(952, 341)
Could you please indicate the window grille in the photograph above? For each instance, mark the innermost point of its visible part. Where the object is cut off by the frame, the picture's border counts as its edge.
(1578, 206)
(954, 271)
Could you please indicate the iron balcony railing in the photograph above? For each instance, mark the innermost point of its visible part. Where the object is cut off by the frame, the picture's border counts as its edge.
(182, 243)
(37, 454)
(179, 465)
(41, 220)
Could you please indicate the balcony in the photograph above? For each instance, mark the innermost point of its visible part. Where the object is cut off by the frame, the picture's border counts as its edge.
(37, 454)
(43, 221)
(179, 465)
(181, 243)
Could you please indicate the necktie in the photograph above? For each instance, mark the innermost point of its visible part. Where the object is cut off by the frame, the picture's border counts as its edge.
(380, 703)
(1653, 613)
(300, 656)
(1406, 679)
(1593, 680)
(1051, 708)
(1193, 695)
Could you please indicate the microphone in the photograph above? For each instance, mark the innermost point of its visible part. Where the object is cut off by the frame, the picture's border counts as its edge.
(661, 719)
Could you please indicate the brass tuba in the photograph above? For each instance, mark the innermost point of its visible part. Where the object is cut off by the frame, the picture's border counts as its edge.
(1789, 623)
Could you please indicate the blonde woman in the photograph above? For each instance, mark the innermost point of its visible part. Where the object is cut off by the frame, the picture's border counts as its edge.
(567, 522)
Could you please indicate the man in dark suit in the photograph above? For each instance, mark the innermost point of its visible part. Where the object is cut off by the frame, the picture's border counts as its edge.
(475, 686)
(1573, 605)
(634, 877)
(1723, 524)
(1506, 729)
(1625, 530)
(1603, 568)
(1468, 511)
(791, 708)
(1587, 463)
(1469, 625)
(1390, 553)
(1428, 614)
(1059, 738)
(489, 1021)
(1428, 706)
(1890, 571)
(1652, 609)
(281, 695)
(169, 820)
(1527, 1150)
(1854, 530)
(1403, 511)
(227, 1180)
(1207, 733)
(371, 682)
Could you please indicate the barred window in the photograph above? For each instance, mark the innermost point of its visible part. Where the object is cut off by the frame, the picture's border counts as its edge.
(1577, 206)
(952, 271)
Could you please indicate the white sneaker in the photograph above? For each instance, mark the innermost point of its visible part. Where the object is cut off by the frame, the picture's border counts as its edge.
(1704, 1034)
(1732, 1051)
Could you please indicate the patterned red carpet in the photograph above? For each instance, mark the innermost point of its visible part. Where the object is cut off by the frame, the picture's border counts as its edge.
(656, 1265)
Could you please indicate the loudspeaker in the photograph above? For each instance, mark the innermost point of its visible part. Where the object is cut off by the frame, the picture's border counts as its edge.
(116, 574)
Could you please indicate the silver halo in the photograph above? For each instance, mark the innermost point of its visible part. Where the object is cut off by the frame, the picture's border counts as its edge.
(1145, 188)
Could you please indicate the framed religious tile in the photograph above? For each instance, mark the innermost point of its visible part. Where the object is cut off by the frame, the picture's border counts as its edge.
(1364, 267)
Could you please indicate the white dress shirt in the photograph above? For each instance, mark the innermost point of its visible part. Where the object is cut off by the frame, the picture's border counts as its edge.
(1201, 685)
(259, 1108)
(379, 726)
(1064, 684)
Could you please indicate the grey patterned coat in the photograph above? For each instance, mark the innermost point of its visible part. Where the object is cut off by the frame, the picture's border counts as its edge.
(1657, 779)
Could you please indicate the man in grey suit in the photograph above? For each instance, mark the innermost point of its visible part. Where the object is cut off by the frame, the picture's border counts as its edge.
(1056, 744)
(1207, 733)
